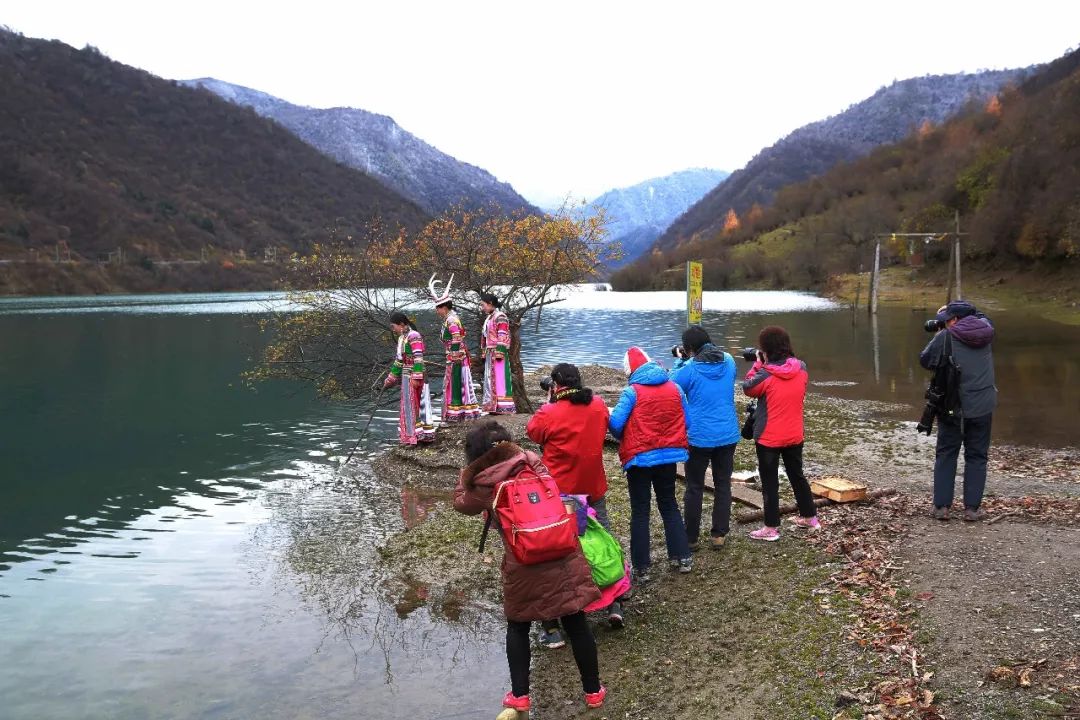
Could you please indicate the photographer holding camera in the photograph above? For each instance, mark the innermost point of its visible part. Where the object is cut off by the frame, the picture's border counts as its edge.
(571, 427)
(972, 357)
(707, 376)
(778, 380)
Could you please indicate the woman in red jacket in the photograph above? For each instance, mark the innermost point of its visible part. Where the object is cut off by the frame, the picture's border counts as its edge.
(778, 380)
(571, 428)
(554, 589)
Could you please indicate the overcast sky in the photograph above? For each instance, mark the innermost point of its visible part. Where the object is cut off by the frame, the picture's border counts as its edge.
(562, 98)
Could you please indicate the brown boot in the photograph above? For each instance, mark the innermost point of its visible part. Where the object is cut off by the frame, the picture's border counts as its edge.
(974, 514)
(941, 513)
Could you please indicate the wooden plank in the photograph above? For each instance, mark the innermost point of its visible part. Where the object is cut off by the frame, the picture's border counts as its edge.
(746, 495)
(740, 492)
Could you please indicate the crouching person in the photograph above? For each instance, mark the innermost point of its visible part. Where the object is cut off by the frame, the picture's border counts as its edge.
(650, 421)
(559, 588)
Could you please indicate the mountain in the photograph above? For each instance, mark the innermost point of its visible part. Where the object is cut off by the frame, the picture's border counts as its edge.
(639, 214)
(886, 117)
(1007, 169)
(379, 146)
(98, 156)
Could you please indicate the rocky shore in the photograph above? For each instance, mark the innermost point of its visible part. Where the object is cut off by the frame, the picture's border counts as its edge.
(884, 613)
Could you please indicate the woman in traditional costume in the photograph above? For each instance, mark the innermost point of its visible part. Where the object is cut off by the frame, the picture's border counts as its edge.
(494, 347)
(414, 420)
(459, 399)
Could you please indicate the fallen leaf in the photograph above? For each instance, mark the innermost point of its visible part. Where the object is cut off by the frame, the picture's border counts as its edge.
(1025, 677)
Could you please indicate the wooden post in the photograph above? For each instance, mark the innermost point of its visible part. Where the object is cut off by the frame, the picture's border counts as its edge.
(959, 291)
(949, 275)
(875, 281)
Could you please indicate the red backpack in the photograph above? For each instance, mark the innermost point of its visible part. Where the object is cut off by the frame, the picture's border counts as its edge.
(536, 526)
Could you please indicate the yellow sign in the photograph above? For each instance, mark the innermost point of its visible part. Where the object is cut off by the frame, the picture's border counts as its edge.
(693, 293)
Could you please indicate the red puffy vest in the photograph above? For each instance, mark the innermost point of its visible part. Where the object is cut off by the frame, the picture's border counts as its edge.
(657, 421)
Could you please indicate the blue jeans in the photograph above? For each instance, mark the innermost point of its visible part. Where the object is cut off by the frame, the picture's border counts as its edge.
(974, 435)
(641, 481)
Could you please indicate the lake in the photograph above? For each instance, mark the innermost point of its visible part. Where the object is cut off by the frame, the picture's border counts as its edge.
(175, 544)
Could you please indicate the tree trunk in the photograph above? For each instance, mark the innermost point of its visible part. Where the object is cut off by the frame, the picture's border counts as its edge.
(521, 396)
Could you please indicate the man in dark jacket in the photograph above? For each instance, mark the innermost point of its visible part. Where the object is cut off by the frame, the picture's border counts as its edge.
(970, 335)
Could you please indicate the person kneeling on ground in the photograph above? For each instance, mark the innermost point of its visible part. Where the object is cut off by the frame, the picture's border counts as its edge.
(571, 427)
(778, 380)
(650, 421)
(559, 588)
(708, 379)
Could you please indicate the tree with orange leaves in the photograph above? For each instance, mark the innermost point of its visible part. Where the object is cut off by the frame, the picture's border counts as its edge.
(350, 288)
(731, 221)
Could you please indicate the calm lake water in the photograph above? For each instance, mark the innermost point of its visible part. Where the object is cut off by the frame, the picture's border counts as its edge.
(176, 545)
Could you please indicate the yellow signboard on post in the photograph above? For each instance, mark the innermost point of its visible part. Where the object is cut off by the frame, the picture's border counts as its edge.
(693, 293)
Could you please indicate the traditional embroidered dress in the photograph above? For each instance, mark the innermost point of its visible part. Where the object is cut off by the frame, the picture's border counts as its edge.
(414, 421)
(459, 399)
(494, 346)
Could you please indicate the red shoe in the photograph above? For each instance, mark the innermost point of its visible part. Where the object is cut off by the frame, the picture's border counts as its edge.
(521, 704)
(596, 699)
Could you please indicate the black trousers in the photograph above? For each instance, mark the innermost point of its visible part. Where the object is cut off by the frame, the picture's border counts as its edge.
(723, 461)
(769, 468)
(519, 653)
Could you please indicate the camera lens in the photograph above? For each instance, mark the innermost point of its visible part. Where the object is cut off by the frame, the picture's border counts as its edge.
(749, 354)
(545, 384)
(933, 325)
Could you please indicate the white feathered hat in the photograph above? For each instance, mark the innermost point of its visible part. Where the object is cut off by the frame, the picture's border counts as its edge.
(437, 297)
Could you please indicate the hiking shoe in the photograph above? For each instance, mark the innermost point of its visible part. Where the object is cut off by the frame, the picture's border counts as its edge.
(686, 565)
(551, 639)
(640, 577)
(717, 543)
(614, 615)
(941, 513)
(596, 699)
(974, 514)
(766, 533)
(521, 704)
(695, 546)
(807, 523)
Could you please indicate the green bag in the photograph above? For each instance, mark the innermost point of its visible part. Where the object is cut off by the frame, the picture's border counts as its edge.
(603, 553)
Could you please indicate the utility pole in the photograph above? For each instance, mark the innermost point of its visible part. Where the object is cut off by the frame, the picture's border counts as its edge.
(959, 291)
(875, 280)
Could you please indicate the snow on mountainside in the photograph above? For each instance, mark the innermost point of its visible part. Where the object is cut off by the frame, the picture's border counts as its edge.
(380, 147)
(639, 214)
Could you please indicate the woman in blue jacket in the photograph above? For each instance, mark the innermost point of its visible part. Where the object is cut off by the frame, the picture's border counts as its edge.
(708, 379)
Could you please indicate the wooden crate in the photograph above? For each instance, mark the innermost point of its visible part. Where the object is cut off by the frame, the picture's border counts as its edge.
(838, 489)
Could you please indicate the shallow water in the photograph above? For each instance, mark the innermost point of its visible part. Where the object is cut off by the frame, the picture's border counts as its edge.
(176, 545)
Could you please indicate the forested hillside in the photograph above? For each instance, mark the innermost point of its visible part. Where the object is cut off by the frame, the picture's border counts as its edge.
(100, 161)
(380, 147)
(1010, 168)
(886, 117)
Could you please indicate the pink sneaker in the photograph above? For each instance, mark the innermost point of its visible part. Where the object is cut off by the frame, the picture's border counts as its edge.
(596, 699)
(766, 533)
(810, 523)
(521, 704)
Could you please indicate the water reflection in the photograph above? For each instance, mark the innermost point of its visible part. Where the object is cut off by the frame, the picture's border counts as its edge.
(175, 545)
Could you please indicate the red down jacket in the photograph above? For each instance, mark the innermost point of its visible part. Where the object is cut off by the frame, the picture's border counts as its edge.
(781, 392)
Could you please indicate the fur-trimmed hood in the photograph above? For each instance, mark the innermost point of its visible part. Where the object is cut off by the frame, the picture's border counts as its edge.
(497, 464)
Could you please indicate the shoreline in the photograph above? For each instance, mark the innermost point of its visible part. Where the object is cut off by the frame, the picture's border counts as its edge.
(806, 627)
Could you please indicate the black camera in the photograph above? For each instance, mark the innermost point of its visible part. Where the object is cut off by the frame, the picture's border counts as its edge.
(934, 399)
(749, 354)
(933, 325)
(678, 351)
(546, 383)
